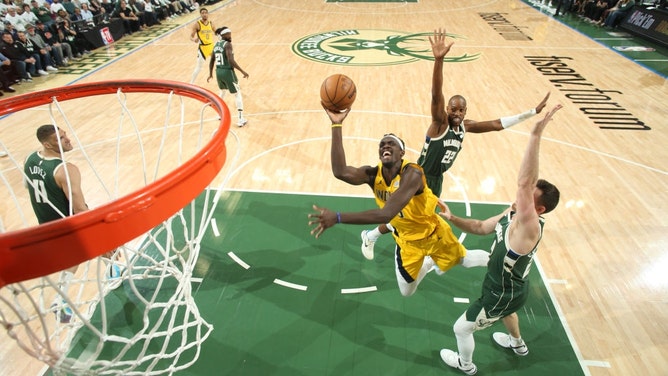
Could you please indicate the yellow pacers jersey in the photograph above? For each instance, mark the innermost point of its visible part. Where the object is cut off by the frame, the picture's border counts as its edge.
(418, 218)
(206, 38)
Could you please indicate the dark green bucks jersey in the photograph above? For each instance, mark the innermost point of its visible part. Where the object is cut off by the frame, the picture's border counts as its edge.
(438, 154)
(507, 271)
(220, 55)
(47, 198)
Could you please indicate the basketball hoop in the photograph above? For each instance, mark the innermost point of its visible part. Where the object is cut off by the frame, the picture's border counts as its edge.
(153, 209)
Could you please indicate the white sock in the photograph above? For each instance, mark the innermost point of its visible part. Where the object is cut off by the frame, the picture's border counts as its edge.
(239, 103)
(408, 289)
(465, 342)
(374, 234)
(514, 342)
(475, 257)
(428, 264)
(198, 67)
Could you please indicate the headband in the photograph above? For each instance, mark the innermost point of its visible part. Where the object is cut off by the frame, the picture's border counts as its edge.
(225, 31)
(397, 139)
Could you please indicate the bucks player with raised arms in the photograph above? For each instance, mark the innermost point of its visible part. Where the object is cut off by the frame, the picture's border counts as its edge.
(505, 288)
(445, 134)
(203, 34)
(223, 59)
(423, 239)
(55, 192)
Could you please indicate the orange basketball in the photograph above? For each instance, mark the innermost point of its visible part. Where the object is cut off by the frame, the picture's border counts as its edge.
(338, 92)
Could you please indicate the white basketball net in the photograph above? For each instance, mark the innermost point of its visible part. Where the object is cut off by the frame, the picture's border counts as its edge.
(133, 314)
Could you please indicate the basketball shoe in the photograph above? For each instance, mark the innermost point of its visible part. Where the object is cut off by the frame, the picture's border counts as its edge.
(62, 311)
(242, 122)
(503, 340)
(114, 271)
(114, 276)
(367, 245)
(452, 359)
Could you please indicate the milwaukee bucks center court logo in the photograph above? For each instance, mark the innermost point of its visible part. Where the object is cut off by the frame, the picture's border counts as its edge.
(371, 48)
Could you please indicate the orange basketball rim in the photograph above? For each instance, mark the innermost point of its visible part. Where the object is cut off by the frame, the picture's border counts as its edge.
(54, 246)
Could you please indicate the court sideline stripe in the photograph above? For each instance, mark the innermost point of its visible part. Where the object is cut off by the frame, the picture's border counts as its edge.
(562, 318)
(238, 260)
(359, 290)
(596, 363)
(290, 285)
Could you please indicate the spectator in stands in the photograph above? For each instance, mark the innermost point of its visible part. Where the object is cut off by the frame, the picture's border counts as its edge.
(86, 14)
(14, 18)
(607, 12)
(6, 84)
(174, 7)
(76, 15)
(80, 24)
(81, 45)
(43, 62)
(189, 5)
(62, 15)
(9, 28)
(69, 6)
(563, 6)
(595, 9)
(51, 39)
(8, 74)
(580, 5)
(150, 16)
(186, 5)
(55, 7)
(130, 20)
(25, 64)
(4, 5)
(67, 34)
(42, 13)
(616, 15)
(160, 9)
(94, 6)
(27, 15)
(44, 48)
(138, 9)
(108, 6)
(103, 17)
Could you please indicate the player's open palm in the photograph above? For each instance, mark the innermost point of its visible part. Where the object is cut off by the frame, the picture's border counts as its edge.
(438, 45)
(542, 104)
(538, 129)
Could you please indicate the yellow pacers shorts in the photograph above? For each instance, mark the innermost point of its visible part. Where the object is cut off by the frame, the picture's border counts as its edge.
(442, 245)
(205, 50)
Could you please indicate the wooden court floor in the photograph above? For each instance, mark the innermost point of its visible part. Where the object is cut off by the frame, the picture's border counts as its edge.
(603, 253)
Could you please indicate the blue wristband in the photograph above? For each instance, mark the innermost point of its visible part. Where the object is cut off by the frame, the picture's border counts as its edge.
(338, 217)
